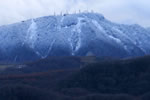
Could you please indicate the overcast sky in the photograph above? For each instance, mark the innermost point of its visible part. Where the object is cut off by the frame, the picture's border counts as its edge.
(120, 11)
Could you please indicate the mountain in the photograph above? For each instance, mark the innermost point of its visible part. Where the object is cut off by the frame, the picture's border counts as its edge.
(71, 35)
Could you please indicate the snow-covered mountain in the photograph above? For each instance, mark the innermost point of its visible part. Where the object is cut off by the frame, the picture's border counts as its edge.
(73, 34)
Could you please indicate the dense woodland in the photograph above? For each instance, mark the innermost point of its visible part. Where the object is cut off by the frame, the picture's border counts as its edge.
(125, 79)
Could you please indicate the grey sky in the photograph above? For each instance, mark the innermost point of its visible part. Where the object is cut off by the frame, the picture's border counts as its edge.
(120, 11)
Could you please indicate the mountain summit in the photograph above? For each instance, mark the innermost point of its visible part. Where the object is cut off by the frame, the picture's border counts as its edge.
(71, 35)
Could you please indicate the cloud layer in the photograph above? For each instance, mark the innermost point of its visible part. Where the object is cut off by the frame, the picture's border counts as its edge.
(121, 11)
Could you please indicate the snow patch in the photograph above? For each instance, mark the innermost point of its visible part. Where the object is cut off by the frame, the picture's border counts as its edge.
(38, 53)
(116, 39)
(98, 26)
(62, 19)
(31, 36)
(49, 49)
(75, 38)
(119, 32)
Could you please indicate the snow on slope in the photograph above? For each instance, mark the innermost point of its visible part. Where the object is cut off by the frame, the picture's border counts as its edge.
(75, 34)
(31, 36)
(75, 38)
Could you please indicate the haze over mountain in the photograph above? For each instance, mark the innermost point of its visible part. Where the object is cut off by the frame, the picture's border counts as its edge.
(120, 11)
(71, 35)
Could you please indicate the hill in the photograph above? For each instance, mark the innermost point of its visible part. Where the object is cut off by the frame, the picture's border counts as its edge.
(124, 79)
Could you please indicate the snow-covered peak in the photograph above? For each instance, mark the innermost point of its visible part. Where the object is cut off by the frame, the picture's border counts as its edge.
(72, 34)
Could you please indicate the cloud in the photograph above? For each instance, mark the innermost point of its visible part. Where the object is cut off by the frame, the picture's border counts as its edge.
(120, 11)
